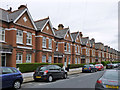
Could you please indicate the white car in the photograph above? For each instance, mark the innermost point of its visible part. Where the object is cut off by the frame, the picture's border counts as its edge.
(115, 65)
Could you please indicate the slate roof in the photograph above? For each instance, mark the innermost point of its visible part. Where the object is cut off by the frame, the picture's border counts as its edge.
(61, 33)
(84, 40)
(8, 17)
(40, 23)
(74, 35)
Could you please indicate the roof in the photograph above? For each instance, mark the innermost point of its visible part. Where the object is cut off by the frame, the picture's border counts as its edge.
(84, 40)
(74, 35)
(40, 23)
(10, 16)
(61, 33)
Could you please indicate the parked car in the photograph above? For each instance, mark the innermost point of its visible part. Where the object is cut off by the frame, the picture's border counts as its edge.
(99, 67)
(49, 72)
(109, 66)
(89, 68)
(108, 81)
(115, 65)
(11, 77)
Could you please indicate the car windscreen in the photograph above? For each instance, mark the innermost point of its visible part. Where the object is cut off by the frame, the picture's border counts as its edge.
(111, 75)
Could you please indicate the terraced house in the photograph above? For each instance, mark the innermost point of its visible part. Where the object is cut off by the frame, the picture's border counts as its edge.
(44, 41)
(17, 37)
(63, 42)
(76, 48)
(23, 40)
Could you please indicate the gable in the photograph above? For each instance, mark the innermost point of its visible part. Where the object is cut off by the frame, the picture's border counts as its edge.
(88, 43)
(67, 36)
(47, 29)
(25, 20)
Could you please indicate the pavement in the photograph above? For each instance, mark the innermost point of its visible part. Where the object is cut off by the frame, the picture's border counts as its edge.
(27, 77)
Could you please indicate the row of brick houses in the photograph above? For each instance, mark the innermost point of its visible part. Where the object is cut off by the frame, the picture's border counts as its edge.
(23, 40)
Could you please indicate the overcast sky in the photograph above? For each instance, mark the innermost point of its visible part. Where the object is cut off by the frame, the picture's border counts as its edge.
(94, 18)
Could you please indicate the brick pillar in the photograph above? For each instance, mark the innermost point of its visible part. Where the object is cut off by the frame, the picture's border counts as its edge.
(24, 57)
(33, 58)
(12, 59)
(25, 38)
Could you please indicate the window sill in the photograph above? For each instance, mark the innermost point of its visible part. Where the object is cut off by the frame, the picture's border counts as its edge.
(3, 42)
(44, 47)
(19, 43)
(29, 44)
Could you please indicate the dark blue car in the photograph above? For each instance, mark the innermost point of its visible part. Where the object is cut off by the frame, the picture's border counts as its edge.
(10, 77)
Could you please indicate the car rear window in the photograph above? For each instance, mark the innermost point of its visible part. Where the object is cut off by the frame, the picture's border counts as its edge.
(97, 65)
(86, 65)
(111, 75)
(41, 68)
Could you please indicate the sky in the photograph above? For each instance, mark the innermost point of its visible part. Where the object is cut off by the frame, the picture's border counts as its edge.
(96, 19)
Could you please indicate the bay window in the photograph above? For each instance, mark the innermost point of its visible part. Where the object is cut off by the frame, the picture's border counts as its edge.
(28, 58)
(18, 58)
(44, 42)
(2, 34)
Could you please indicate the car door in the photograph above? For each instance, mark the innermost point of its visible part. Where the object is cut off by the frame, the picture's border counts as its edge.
(58, 71)
(7, 77)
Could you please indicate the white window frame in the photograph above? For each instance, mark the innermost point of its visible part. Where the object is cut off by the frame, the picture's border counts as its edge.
(19, 37)
(75, 48)
(69, 47)
(44, 42)
(69, 61)
(43, 58)
(2, 34)
(50, 43)
(76, 60)
(50, 59)
(56, 46)
(78, 49)
(28, 58)
(29, 37)
(65, 46)
(18, 60)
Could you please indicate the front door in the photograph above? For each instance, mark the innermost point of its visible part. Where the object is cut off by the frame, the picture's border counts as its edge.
(3, 59)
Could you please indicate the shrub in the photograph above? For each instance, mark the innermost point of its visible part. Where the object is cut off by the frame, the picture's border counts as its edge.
(105, 63)
(30, 67)
(75, 65)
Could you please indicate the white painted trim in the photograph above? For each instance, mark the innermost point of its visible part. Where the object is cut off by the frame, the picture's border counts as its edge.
(33, 33)
(47, 50)
(19, 16)
(53, 39)
(61, 42)
(24, 47)
(24, 31)
(39, 36)
(28, 15)
(47, 37)
(10, 29)
(70, 34)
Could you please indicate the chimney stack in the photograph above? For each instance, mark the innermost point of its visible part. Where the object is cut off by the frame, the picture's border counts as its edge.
(93, 39)
(10, 10)
(60, 27)
(81, 34)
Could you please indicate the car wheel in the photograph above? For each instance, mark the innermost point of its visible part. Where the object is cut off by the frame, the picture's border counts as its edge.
(65, 76)
(91, 71)
(50, 78)
(17, 85)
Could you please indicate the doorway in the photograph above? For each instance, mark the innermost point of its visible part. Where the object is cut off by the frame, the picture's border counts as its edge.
(3, 59)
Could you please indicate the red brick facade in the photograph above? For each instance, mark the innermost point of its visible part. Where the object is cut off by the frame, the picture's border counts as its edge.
(28, 41)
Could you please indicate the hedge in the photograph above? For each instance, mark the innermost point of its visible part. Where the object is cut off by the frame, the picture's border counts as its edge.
(75, 65)
(30, 67)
